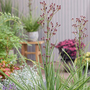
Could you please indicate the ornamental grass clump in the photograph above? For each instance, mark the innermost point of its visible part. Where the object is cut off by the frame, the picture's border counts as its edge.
(47, 15)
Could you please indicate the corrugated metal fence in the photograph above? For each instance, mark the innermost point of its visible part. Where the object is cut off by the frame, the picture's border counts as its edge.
(69, 9)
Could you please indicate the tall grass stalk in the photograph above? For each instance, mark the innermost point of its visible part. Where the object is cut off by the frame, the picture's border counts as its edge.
(6, 6)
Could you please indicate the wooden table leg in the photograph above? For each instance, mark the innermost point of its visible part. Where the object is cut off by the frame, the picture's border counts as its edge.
(24, 48)
(40, 56)
(36, 52)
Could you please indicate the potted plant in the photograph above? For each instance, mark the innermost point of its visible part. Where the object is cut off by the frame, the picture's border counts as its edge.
(68, 49)
(31, 25)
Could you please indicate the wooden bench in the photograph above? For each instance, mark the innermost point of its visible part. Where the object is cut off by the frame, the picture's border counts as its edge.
(37, 52)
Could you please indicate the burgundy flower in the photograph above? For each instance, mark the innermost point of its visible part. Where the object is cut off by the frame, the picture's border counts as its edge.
(65, 47)
(85, 28)
(55, 29)
(54, 33)
(78, 20)
(45, 31)
(72, 19)
(52, 44)
(74, 25)
(43, 46)
(70, 48)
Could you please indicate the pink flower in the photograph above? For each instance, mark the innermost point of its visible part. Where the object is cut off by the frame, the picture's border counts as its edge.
(7, 69)
(65, 47)
(45, 31)
(0, 76)
(16, 68)
(72, 54)
(7, 73)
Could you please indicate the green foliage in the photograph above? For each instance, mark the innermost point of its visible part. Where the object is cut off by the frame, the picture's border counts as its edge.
(30, 24)
(6, 7)
(10, 26)
(53, 79)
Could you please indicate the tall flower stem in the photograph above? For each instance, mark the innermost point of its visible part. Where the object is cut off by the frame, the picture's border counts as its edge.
(79, 26)
(80, 72)
(47, 16)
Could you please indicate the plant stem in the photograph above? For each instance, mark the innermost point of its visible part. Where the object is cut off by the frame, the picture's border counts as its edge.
(7, 48)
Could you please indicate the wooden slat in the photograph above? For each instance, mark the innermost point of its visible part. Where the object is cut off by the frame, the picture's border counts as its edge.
(39, 52)
(32, 52)
(29, 52)
(36, 42)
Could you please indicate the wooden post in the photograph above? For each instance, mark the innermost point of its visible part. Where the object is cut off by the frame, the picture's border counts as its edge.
(24, 49)
(36, 52)
(40, 56)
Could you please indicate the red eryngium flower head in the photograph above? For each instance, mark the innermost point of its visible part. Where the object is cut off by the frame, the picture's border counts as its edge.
(47, 56)
(51, 24)
(53, 33)
(72, 19)
(59, 25)
(41, 2)
(84, 17)
(74, 25)
(52, 44)
(74, 32)
(43, 55)
(47, 39)
(86, 21)
(45, 31)
(56, 23)
(85, 28)
(48, 28)
(51, 14)
(78, 20)
(43, 38)
(55, 29)
(58, 7)
(43, 46)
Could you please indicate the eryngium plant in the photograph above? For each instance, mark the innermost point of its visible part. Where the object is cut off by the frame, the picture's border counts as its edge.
(79, 25)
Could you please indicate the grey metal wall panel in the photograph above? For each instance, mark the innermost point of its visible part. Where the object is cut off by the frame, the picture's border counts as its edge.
(69, 9)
